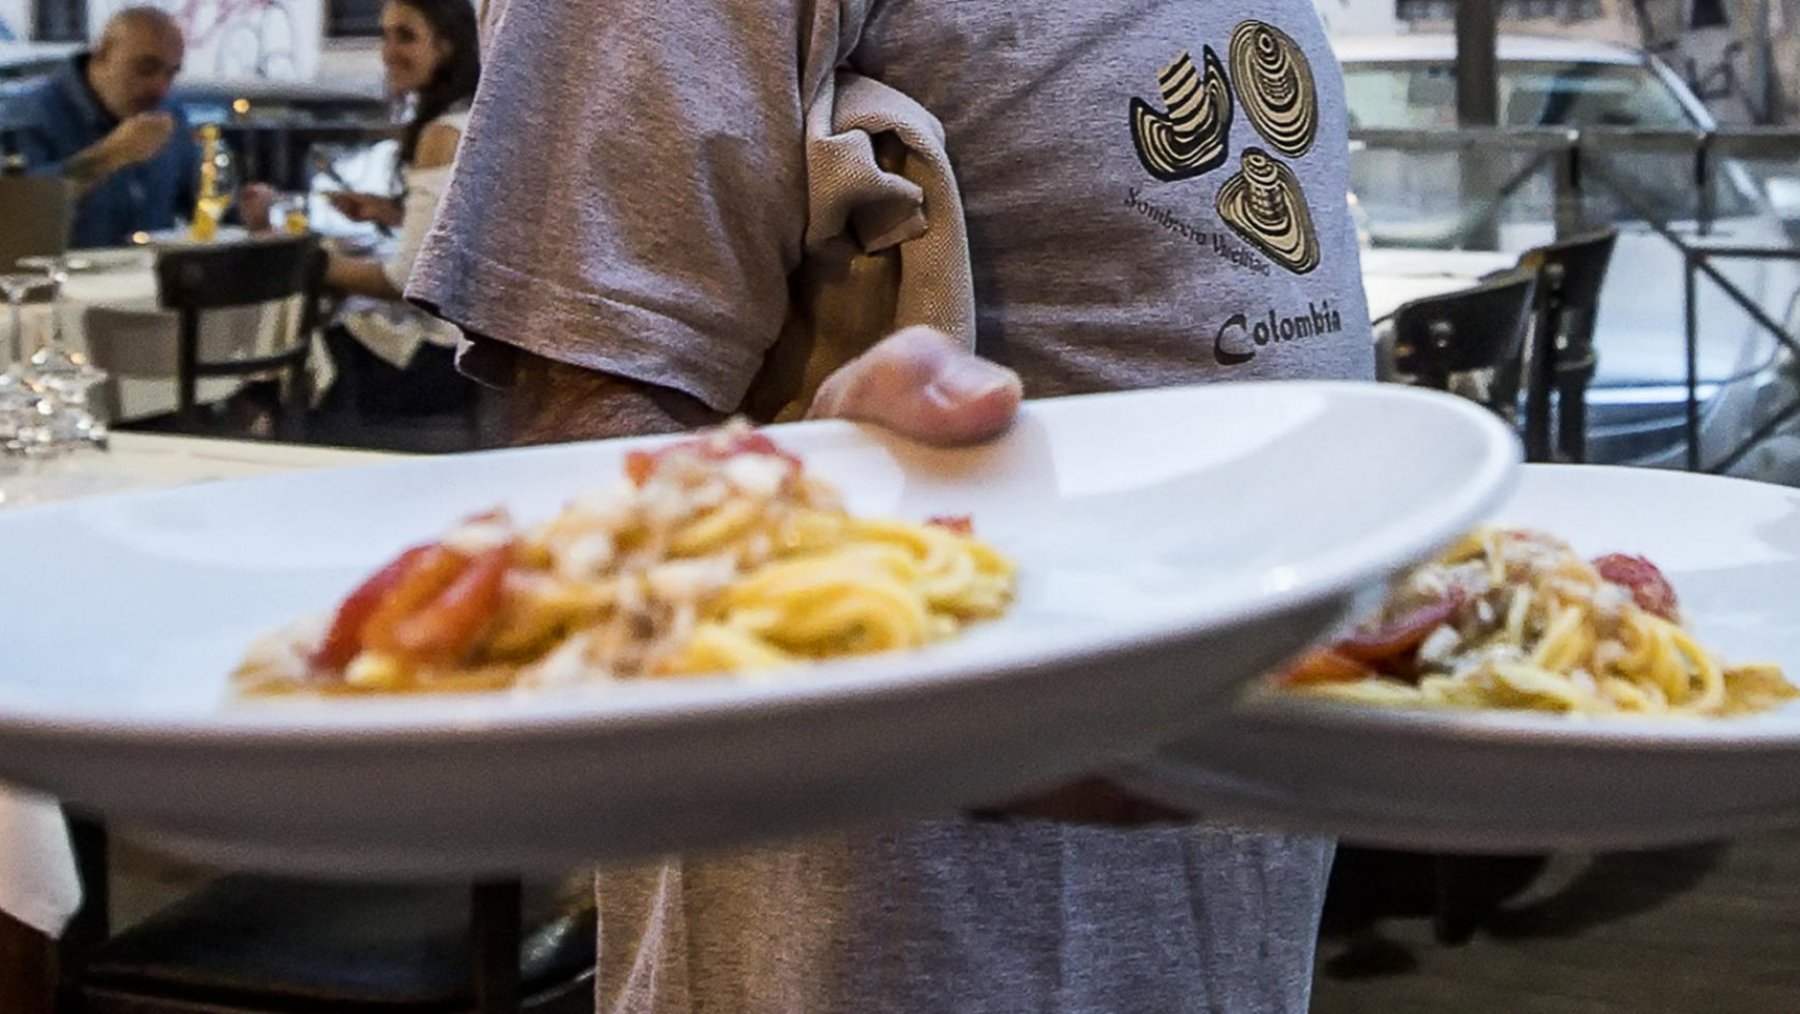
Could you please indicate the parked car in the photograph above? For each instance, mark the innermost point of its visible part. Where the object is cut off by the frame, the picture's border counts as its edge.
(1637, 402)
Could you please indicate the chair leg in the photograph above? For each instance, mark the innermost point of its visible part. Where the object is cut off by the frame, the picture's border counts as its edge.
(1460, 902)
(1539, 377)
(1571, 412)
(495, 931)
(294, 404)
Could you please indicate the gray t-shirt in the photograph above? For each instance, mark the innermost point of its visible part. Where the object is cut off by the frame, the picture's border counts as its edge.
(1156, 193)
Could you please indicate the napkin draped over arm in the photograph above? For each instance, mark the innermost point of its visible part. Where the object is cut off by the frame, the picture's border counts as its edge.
(886, 246)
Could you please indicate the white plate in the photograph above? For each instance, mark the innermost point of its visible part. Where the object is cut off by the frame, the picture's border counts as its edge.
(183, 238)
(1171, 544)
(1509, 782)
(102, 259)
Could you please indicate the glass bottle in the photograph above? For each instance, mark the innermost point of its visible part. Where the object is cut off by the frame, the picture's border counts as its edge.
(217, 184)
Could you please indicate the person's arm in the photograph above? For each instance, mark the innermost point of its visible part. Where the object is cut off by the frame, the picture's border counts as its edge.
(359, 276)
(552, 402)
(381, 209)
(632, 211)
(131, 142)
(386, 279)
(437, 147)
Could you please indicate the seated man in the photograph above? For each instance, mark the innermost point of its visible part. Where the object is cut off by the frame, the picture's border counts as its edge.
(104, 122)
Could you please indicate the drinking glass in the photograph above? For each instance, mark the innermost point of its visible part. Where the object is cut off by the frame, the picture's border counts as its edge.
(15, 286)
(58, 366)
(21, 395)
(290, 216)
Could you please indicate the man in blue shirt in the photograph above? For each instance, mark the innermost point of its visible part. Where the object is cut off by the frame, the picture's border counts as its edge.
(105, 123)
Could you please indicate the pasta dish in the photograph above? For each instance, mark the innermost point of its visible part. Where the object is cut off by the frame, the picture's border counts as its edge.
(718, 554)
(1510, 618)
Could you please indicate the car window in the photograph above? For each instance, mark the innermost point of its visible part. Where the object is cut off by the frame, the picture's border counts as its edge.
(1588, 95)
(1422, 96)
(1532, 94)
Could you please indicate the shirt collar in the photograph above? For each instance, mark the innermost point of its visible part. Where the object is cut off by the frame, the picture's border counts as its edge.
(72, 81)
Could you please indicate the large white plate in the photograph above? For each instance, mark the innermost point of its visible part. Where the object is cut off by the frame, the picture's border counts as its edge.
(1508, 782)
(1171, 544)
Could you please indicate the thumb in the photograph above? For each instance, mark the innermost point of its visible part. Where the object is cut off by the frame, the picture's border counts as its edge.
(922, 384)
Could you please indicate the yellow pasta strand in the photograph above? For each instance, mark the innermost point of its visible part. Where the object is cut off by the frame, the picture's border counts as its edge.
(1541, 629)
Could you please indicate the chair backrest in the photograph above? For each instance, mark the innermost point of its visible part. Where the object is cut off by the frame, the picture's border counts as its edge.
(234, 274)
(1560, 358)
(193, 281)
(35, 218)
(1478, 331)
(1571, 272)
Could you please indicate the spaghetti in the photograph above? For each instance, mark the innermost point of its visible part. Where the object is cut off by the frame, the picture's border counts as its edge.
(1515, 619)
(719, 554)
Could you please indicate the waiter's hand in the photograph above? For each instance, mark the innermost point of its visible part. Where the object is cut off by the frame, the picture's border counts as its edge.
(922, 384)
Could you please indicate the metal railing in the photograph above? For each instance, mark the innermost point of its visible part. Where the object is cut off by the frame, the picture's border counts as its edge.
(1577, 161)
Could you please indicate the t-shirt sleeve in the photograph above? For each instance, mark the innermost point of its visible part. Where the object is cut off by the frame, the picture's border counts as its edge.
(630, 194)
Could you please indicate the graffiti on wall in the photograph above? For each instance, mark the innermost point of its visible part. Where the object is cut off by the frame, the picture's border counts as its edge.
(238, 38)
(15, 20)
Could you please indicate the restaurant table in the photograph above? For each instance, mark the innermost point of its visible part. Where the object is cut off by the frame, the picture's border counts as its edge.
(114, 291)
(1393, 276)
(38, 883)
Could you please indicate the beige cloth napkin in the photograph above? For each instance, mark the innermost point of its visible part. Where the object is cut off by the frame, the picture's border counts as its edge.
(38, 883)
(886, 245)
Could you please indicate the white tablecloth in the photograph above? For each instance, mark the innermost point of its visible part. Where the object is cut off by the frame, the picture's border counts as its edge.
(1395, 276)
(38, 883)
(110, 314)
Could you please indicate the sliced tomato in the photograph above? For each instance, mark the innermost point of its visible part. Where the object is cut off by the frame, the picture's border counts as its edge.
(1324, 665)
(639, 465)
(715, 445)
(1649, 588)
(446, 629)
(423, 582)
(343, 639)
(1395, 637)
(961, 524)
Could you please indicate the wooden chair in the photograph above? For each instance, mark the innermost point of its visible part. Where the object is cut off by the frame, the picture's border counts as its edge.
(1560, 359)
(35, 217)
(252, 944)
(227, 284)
(1468, 341)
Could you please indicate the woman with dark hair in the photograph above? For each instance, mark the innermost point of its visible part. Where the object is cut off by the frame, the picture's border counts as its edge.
(393, 359)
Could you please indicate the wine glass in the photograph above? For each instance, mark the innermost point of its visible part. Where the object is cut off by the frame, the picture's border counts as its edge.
(57, 366)
(21, 396)
(15, 286)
